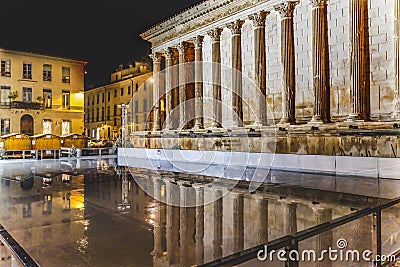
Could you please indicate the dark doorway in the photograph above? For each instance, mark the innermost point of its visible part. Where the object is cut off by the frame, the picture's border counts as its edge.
(27, 125)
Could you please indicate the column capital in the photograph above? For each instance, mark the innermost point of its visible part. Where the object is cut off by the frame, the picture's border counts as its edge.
(259, 18)
(156, 57)
(318, 3)
(236, 26)
(286, 9)
(215, 34)
(182, 47)
(198, 41)
(169, 53)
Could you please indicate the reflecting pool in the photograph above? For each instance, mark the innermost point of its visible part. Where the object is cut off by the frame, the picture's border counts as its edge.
(93, 213)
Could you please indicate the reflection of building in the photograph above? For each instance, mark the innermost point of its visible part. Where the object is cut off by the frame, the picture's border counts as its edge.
(102, 114)
(40, 94)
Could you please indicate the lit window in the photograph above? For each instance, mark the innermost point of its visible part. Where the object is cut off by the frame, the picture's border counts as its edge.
(27, 94)
(5, 126)
(122, 91)
(47, 72)
(47, 98)
(115, 93)
(66, 127)
(66, 99)
(27, 71)
(6, 67)
(109, 96)
(66, 75)
(46, 126)
(4, 94)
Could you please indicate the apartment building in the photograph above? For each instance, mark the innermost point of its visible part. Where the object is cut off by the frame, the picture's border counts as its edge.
(41, 94)
(130, 86)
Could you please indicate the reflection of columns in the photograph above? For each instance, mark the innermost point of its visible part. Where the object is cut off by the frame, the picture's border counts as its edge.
(324, 240)
(183, 232)
(182, 49)
(262, 208)
(172, 221)
(215, 35)
(289, 218)
(218, 211)
(199, 225)
(238, 222)
(237, 91)
(286, 10)
(157, 251)
(320, 62)
(396, 112)
(156, 90)
(198, 58)
(358, 60)
(169, 63)
(260, 65)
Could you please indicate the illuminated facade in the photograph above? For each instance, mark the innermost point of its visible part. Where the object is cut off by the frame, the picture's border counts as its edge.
(131, 86)
(41, 94)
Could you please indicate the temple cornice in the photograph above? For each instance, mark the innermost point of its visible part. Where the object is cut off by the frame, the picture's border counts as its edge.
(192, 19)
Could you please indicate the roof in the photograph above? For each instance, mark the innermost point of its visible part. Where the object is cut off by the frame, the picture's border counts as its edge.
(149, 74)
(28, 53)
(13, 134)
(42, 135)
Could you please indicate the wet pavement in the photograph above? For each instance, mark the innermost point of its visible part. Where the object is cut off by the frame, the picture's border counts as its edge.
(90, 213)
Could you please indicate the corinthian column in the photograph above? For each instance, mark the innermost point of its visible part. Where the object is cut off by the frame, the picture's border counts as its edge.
(260, 65)
(198, 86)
(396, 112)
(215, 35)
(182, 49)
(169, 63)
(156, 57)
(286, 10)
(237, 103)
(320, 62)
(358, 61)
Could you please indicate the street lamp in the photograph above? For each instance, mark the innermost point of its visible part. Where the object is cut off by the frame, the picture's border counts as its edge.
(124, 122)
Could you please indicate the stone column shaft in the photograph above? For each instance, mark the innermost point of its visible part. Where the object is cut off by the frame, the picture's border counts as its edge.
(324, 240)
(169, 63)
(156, 90)
(218, 211)
(199, 225)
(290, 218)
(396, 111)
(182, 49)
(238, 222)
(237, 91)
(215, 35)
(260, 66)
(358, 61)
(320, 62)
(198, 54)
(286, 10)
(158, 219)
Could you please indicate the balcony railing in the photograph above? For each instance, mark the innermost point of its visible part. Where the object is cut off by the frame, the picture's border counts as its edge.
(27, 76)
(6, 74)
(26, 105)
(47, 78)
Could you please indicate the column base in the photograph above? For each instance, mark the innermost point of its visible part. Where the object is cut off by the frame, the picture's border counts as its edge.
(395, 116)
(287, 121)
(215, 125)
(316, 120)
(354, 118)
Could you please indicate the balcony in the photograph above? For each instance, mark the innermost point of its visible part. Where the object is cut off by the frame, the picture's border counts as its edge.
(26, 105)
(27, 76)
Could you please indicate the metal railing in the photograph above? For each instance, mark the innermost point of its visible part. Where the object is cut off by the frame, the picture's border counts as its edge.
(291, 242)
(20, 254)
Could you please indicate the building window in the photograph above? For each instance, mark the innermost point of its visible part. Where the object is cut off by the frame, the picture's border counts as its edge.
(4, 94)
(6, 67)
(108, 113)
(115, 110)
(66, 95)
(5, 126)
(144, 86)
(93, 133)
(66, 78)
(137, 106)
(98, 99)
(66, 128)
(47, 72)
(115, 93)
(92, 115)
(46, 126)
(109, 96)
(88, 100)
(93, 101)
(102, 114)
(27, 71)
(137, 87)
(144, 105)
(136, 119)
(102, 98)
(122, 91)
(47, 98)
(97, 114)
(129, 90)
(88, 115)
(27, 94)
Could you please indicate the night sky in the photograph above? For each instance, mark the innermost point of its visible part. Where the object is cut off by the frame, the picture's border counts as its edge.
(104, 33)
